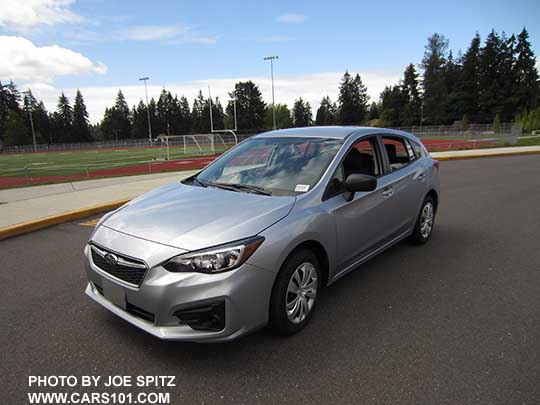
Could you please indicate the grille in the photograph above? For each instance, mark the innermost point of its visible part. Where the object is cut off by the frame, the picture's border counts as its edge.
(126, 269)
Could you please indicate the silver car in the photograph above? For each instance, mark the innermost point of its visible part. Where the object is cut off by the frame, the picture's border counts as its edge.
(254, 237)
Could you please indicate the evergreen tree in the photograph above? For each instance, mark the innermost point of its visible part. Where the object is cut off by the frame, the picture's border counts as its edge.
(139, 121)
(301, 115)
(81, 130)
(9, 103)
(184, 121)
(468, 85)
(164, 114)
(373, 112)
(352, 100)
(63, 120)
(393, 104)
(283, 117)
(250, 107)
(490, 98)
(435, 91)
(527, 87)
(116, 122)
(42, 123)
(411, 95)
(326, 113)
(200, 121)
(16, 132)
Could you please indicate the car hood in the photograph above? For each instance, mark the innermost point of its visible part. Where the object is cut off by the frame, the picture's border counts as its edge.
(191, 218)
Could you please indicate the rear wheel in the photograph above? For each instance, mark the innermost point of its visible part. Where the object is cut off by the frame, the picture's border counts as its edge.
(295, 292)
(425, 222)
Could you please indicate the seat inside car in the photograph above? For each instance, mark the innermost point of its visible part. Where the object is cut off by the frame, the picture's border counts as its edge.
(358, 162)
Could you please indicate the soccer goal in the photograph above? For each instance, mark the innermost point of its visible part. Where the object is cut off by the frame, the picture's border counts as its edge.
(180, 146)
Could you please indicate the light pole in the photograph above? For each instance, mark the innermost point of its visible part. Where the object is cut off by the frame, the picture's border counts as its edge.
(271, 59)
(144, 79)
(28, 95)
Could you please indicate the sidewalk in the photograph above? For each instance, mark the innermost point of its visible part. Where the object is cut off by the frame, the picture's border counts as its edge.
(26, 209)
(33, 203)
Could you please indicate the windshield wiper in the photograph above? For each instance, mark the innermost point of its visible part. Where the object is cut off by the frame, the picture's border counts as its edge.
(241, 187)
(199, 182)
(252, 188)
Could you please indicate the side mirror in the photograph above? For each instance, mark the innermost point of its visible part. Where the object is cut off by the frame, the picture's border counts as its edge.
(358, 182)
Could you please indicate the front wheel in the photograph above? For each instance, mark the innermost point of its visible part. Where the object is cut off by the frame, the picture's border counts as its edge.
(295, 292)
(425, 221)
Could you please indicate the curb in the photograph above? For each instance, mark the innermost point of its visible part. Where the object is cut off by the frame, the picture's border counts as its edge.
(502, 154)
(41, 223)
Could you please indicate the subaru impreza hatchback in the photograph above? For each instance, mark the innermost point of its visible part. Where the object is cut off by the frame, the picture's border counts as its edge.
(253, 238)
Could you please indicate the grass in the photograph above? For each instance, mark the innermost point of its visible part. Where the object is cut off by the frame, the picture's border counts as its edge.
(528, 141)
(76, 162)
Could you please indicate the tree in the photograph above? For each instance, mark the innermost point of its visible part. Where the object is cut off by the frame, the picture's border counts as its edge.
(250, 107)
(326, 113)
(139, 121)
(411, 96)
(16, 131)
(527, 87)
(283, 117)
(393, 103)
(352, 100)
(435, 91)
(184, 117)
(490, 97)
(164, 114)
(468, 85)
(42, 123)
(81, 130)
(373, 112)
(63, 120)
(9, 103)
(301, 115)
(199, 121)
(116, 123)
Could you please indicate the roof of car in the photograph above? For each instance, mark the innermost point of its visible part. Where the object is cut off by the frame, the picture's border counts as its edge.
(334, 132)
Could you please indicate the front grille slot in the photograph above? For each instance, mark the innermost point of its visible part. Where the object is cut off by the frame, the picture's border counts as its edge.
(126, 269)
(139, 312)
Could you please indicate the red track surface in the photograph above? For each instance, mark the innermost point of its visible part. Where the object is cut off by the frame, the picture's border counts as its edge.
(192, 164)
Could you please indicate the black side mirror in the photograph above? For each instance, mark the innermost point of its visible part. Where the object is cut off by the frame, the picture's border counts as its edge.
(358, 182)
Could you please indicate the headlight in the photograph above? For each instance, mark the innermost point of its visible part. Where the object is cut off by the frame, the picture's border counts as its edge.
(216, 259)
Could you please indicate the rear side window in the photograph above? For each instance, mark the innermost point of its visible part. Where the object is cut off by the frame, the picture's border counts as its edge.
(399, 152)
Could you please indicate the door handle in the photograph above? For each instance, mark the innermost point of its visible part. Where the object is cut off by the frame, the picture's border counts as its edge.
(388, 191)
(421, 176)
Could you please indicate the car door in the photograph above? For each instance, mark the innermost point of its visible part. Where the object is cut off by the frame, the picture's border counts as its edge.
(360, 222)
(404, 184)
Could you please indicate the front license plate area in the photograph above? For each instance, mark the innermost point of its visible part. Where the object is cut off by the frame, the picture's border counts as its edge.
(114, 293)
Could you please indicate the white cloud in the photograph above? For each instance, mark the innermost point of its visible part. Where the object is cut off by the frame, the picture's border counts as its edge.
(311, 87)
(172, 34)
(291, 18)
(21, 60)
(21, 15)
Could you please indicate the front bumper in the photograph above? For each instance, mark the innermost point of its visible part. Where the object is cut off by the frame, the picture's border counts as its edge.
(244, 291)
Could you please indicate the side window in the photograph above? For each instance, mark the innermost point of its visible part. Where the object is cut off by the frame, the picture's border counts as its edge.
(416, 149)
(398, 150)
(362, 158)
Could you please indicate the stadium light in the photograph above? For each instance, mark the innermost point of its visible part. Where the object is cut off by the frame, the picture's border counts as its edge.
(271, 59)
(144, 79)
(28, 93)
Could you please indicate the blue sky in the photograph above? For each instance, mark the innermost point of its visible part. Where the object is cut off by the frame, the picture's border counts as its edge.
(183, 45)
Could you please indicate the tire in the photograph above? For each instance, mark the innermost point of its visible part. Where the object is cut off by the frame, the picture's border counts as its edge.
(299, 263)
(423, 228)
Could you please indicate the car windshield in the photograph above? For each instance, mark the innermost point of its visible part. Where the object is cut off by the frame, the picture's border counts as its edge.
(276, 166)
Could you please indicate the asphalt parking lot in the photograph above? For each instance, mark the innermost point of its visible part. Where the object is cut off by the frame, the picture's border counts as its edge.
(454, 321)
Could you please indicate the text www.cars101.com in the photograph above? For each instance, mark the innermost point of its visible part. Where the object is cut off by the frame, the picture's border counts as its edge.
(98, 398)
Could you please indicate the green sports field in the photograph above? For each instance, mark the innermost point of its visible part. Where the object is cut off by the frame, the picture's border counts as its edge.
(80, 161)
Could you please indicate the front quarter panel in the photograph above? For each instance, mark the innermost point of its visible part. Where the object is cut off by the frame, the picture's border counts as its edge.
(299, 226)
